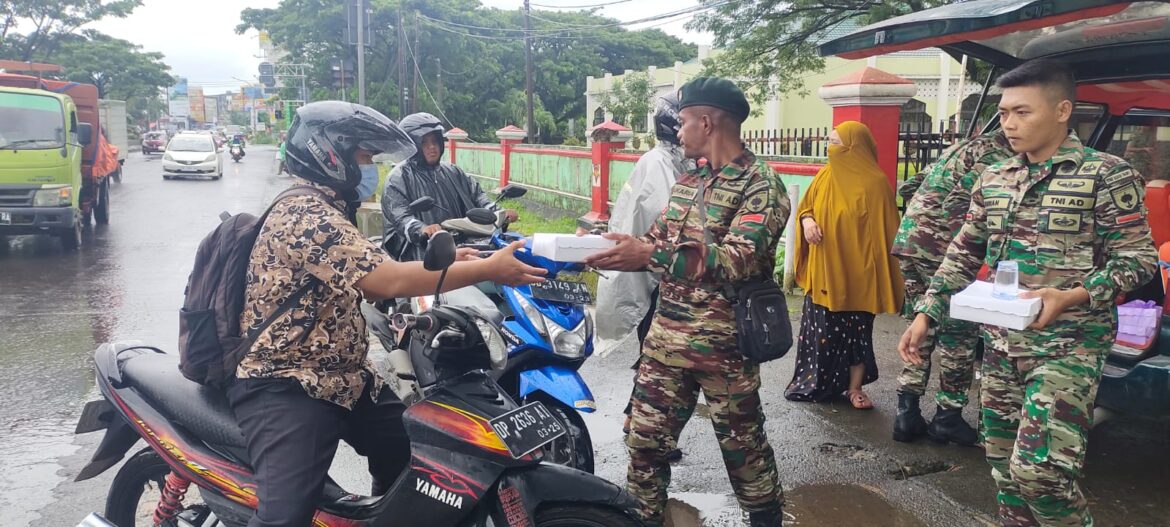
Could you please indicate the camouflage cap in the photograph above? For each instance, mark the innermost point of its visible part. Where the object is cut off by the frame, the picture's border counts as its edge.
(717, 92)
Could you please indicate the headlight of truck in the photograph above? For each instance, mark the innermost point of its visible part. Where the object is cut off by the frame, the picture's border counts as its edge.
(497, 350)
(210, 158)
(53, 197)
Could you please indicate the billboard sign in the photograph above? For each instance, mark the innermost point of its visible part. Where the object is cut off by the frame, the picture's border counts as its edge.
(195, 94)
(177, 99)
(211, 109)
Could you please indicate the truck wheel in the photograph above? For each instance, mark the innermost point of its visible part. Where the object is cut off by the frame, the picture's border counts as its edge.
(101, 209)
(70, 237)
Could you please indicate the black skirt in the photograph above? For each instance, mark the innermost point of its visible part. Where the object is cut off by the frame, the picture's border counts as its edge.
(830, 342)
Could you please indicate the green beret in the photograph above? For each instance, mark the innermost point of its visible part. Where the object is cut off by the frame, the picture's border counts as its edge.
(717, 92)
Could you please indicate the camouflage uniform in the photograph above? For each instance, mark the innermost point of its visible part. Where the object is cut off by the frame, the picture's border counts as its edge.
(1075, 220)
(692, 343)
(935, 207)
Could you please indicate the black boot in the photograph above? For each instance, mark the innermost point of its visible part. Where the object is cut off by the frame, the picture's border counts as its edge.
(948, 425)
(769, 518)
(909, 424)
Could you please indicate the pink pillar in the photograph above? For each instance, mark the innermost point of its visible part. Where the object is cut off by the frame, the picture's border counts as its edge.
(454, 135)
(607, 137)
(874, 98)
(510, 136)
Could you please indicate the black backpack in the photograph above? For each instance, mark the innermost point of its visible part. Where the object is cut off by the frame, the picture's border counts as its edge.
(210, 343)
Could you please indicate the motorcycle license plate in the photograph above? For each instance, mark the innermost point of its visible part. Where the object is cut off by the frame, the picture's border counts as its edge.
(527, 428)
(5, 218)
(562, 291)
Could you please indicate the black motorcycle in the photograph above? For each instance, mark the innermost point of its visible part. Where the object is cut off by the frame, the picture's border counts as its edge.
(476, 458)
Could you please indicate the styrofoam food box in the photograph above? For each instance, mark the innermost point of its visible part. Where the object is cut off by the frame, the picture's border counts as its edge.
(569, 247)
(976, 304)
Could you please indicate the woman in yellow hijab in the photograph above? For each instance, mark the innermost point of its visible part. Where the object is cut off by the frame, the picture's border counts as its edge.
(848, 220)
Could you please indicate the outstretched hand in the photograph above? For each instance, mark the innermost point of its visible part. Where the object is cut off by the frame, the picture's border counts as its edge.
(506, 269)
(630, 254)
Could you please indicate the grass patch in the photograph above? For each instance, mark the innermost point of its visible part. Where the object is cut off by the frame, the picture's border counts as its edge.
(535, 218)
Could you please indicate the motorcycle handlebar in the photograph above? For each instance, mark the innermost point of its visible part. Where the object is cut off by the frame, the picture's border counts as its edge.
(403, 322)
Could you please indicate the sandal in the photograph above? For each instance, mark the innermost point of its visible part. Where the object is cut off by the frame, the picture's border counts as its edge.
(860, 400)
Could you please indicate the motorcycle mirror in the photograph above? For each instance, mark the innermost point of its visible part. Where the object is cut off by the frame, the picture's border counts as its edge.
(481, 216)
(511, 192)
(440, 253)
(422, 204)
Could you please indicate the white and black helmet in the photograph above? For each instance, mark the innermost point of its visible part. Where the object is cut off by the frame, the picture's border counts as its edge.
(324, 135)
(666, 121)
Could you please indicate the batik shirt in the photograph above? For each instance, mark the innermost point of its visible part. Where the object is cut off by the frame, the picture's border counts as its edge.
(321, 342)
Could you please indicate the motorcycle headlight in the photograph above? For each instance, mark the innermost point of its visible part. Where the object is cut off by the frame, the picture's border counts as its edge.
(570, 344)
(497, 349)
(534, 315)
(210, 158)
(53, 197)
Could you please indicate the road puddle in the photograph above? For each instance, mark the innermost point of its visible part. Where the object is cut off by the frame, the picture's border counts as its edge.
(837, 505)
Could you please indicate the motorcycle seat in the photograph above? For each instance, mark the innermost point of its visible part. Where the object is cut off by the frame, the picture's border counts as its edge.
(202, 410)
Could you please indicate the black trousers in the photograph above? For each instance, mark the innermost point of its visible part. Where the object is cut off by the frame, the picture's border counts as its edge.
(292, 439)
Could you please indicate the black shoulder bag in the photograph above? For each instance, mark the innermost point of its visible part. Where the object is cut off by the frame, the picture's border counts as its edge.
(761, 309)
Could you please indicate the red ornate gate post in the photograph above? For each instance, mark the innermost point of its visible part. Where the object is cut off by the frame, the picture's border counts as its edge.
(875, 98)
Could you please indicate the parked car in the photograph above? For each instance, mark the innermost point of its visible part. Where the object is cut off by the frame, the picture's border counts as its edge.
(1117, 50)
(153, 142)
(192, 155)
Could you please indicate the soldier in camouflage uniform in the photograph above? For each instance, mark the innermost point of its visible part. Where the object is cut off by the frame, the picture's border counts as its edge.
(935, 207)
(692, 342)
(1073, 220)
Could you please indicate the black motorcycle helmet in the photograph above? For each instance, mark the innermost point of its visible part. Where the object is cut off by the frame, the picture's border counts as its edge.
(666, 124)
(421, 124)
(324, 136)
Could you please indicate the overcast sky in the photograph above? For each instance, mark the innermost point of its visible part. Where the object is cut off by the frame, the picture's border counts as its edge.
(199, 41)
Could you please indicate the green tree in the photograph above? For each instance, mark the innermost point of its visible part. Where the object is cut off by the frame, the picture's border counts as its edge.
(52, 23)
(119, 69)
(630, 100)
(480, 52)
(770, 45)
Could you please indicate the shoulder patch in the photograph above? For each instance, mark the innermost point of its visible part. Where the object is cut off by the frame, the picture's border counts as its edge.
(1121, 176)
(1126, 197)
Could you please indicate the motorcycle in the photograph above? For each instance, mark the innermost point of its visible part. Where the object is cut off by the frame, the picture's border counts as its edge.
(548, 332)
(237, 152)
(476, 458)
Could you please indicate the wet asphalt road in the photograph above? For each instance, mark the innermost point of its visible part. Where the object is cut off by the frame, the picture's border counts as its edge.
(838, 465)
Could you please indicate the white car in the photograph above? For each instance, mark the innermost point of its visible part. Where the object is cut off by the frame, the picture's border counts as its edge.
(192, 155)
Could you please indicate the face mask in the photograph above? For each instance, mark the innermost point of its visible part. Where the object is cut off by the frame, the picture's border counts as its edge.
(369, 182)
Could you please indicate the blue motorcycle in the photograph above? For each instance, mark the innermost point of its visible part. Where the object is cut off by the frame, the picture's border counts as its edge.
(548, 332)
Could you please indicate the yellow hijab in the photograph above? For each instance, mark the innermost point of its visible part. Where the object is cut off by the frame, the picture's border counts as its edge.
(852, 202)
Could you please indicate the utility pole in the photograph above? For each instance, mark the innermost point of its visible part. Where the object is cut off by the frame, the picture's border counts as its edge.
(529, 127)
(361, 51)
(439, 93)
(341, 62)
(401, 66)
(414, 61)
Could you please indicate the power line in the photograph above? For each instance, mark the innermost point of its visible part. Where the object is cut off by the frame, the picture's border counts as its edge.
(580, 6)
(554, 32)
(418, 71)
